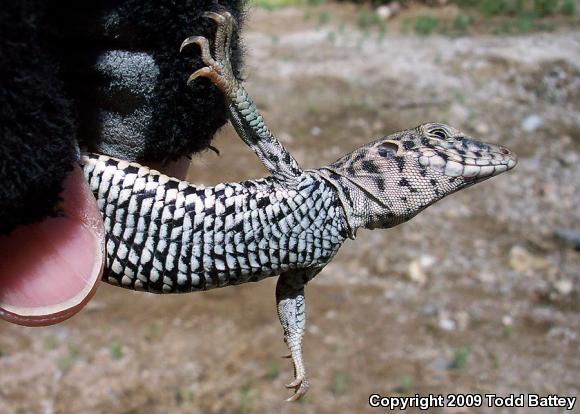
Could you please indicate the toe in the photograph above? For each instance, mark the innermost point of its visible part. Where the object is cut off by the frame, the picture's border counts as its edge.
(299, 394)
(218, 18)
(295, 383)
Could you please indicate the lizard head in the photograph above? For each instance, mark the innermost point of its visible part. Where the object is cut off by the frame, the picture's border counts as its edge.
(390, 180)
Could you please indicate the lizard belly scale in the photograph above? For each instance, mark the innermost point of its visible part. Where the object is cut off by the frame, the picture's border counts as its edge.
(168, 236)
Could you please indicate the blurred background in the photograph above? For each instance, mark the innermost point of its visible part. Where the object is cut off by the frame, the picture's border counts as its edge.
(478, 294)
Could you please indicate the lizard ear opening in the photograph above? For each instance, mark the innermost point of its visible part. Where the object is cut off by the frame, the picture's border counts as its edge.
(388, 149)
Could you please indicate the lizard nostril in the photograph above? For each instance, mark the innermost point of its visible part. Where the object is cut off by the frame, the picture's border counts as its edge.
(504, 150)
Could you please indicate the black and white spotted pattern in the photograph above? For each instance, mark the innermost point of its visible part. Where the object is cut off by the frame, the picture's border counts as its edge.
(168, 236)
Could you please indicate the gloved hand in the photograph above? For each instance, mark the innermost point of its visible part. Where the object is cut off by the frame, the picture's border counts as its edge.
(106, 76)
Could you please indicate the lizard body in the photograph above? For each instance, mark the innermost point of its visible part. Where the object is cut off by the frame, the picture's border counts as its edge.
(165, 235)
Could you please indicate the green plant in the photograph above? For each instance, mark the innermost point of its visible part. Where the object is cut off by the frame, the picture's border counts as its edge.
(405, 26)
(273, 371)
(503, 27)
(323, 17)
(524, 24)
(461, 23)
(405, 385)
(496, 361)
(492, 7)
(341, 382)
(545, 7)
(153, 331)
(424, 25)
(245, 399)
(568, 7)
(517, 7)
(50, 342)
(183, 395)
(460, 356)
(366, 19)
(116, 350)
(67, 360)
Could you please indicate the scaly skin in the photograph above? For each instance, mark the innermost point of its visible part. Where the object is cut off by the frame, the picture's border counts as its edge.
(167, 236)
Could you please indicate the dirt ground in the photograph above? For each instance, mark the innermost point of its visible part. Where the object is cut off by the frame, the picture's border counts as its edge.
(478, 294)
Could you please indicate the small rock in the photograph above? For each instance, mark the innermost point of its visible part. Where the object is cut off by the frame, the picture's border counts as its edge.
(459, 211)
(482, 128)
(447, 324)
(531, 123)
(570, 237)
(570, 158)
(331, 314)
(313, 330)
(417, 270)
(564, 286)
(429, 310)
(427, 261)
(562, 334)
(487, 277)
(507, 320)
(315, 131)
(523, 261)
(95, 306)
(384, 12)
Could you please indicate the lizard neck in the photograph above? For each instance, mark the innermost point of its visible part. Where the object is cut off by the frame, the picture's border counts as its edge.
(357, 203)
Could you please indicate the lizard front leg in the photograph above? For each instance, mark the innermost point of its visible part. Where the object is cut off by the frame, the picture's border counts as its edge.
(291, 306)
(244, 115)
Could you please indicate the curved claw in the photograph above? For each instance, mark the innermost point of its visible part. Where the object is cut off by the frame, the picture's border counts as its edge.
(189, 41)
(203, 44)
(295, 383)
(218, 18)
(286, 356)
(203, 72)
(221, 18)
(301, 392)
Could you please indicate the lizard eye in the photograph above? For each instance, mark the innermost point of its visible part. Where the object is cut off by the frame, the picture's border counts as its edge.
(388, 149)
(437, 131)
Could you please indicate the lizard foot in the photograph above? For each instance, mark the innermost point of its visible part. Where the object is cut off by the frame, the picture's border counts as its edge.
(300, 386)
(300, 383)
(218, 68)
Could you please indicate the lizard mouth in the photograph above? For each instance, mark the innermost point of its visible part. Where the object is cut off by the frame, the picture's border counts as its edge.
(469, 164)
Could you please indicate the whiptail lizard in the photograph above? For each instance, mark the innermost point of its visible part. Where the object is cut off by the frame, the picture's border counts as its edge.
(168, 236)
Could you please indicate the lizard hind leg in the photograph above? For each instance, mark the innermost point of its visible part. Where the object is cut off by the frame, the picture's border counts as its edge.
(292, 314)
